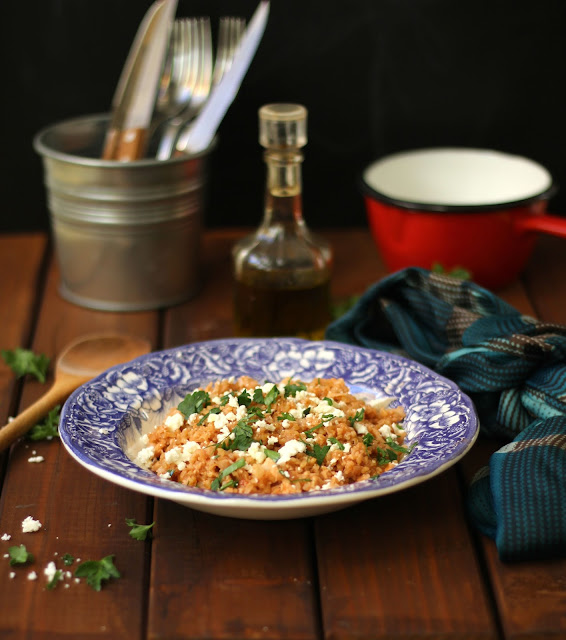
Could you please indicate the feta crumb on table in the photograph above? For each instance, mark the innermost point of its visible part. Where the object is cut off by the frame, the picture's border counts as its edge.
(29, 525)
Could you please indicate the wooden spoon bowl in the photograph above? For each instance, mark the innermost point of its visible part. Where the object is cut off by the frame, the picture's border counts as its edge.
(80, 361)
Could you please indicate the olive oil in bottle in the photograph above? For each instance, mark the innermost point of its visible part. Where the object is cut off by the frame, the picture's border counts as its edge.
(282, 271)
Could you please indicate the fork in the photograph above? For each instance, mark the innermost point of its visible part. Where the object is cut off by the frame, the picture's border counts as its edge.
(194, 92)
(179, 77)
(229, 33)
(230, 30)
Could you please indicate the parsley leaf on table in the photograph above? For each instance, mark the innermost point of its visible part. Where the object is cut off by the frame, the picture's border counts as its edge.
(47, 429)
(25, 361)
(19, 555)
(139, 531)
(68, 559)
(95, 571)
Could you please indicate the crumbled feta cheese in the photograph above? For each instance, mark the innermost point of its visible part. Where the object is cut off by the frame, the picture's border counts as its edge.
(50, 571)
(175, 421)
(255, 450)
(12, 575)
(398, 429)
(290, 449)
(386, 432)
(36, 459)
(218, 419)
(347, 447)
(339, 476)
(5, 537)
(360, 428)
(29, 525)
(323, 408)
(272, 440)
(326, 485)
(222, 434)
(233, 402)
(32, 575)
(189, 448)
(145, 456)
(144, 439)
(174, 455)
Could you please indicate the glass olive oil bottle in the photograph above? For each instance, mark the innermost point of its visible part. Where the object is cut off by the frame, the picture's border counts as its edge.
(282, 271)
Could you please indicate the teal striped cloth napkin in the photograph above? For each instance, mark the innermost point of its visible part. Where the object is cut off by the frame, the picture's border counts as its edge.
(514, 369)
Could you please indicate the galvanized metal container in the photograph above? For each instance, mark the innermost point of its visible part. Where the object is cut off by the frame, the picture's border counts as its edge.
(127, 235)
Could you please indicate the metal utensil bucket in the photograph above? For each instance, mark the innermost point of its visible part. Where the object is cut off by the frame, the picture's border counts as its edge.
(127, 234)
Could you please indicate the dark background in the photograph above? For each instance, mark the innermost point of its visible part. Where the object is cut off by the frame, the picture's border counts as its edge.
(377, 76)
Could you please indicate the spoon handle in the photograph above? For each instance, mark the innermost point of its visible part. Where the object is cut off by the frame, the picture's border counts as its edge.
(36, 411)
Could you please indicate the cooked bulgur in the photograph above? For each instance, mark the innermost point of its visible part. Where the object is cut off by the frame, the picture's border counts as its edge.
(240, 436)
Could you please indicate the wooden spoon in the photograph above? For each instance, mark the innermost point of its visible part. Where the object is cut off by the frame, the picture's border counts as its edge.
(80, 361)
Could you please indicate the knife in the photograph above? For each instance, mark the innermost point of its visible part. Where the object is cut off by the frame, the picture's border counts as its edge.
(199, 134)
(136, 91)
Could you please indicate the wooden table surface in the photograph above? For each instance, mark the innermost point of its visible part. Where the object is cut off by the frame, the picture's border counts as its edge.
(406, 565)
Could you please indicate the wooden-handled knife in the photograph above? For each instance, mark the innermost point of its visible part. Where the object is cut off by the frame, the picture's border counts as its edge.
(135, 95)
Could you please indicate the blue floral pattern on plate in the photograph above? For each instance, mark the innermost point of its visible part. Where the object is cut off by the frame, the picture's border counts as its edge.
(102, 421)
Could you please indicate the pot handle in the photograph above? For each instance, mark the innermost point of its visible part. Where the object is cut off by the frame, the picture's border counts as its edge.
(554, 225)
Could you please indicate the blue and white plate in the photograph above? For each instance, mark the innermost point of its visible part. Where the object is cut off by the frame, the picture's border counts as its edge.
(102, 421)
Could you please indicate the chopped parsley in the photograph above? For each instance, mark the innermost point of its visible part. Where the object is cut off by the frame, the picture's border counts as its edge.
(258, 396)
(217, 482)
(194, 403)
(318, 452)
(271, 397)
(309, 432)
(19, 555)
(254, 410)
(329, 401)
(243, 436)
(139, 531)
(291, 389)
(25, 361)
(244, 398)
(357, 417)
(286, 416)
(57, 577)
(47, 429)
(68, 559)
(270, 453)
(368, 439)
(337, 442)
(212, 411)
(386, 455)
(95, 571)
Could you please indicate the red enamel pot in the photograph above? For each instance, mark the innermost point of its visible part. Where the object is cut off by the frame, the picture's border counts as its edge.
(472, 208)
